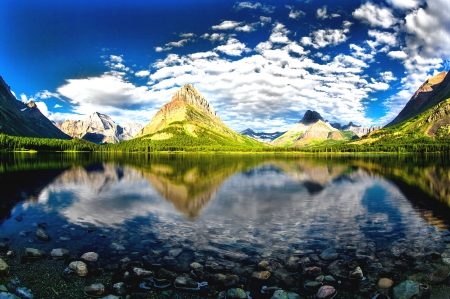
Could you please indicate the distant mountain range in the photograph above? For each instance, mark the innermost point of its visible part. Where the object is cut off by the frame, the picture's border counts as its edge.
(20, 119)
(261, 136)
(99, 128)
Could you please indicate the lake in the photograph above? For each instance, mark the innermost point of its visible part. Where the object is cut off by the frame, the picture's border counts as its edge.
(237, 222)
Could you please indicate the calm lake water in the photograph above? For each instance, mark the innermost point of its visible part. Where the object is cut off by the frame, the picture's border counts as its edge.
(296, 217)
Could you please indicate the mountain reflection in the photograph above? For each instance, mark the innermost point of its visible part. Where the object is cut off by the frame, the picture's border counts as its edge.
(108, 190)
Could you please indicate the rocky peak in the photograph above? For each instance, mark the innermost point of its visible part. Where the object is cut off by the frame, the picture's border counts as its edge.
(31, 104)
(427, 85)
(311, 117)
(247, 131)
(190, 95)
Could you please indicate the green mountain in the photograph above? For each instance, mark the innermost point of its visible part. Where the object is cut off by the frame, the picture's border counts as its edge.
(312, 130)
(190, 120)
(19, 119)
(429, 94)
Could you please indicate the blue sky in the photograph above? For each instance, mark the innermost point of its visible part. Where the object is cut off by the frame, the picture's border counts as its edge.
(261, 64)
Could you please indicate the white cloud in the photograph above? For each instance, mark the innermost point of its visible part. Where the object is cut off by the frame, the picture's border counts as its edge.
(43, 108)
(405, 4)
(177, 44)
(398, 55)
(248, 5)
(45, 94)
(215, 36)
(326, 37)
(295, 14)
(57, 106)
(187, 35)
(24, 98)
(360, 52)
(233, 47)
(265, 20)
(143, 73)
(388, 76)
(247, 28)
(116, 58)
(374, 15)
(226, 25)
(386, 39)
(321, 13)
(279, 34)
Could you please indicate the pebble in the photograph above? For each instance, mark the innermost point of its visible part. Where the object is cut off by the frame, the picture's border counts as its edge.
(90, 256)
(34, 253)
(281, 294)
(385, 283)
(79, 267)
(195, 266)
(329, 254)
(175, 252)
(236, 293)
(357, 273)
(184, 281)
(42, 235)
(96, 289)
(59, 253)
(4, 268)
(325, 292)
(117, 246)
(261, 275)
(10, 254)
(143, 273)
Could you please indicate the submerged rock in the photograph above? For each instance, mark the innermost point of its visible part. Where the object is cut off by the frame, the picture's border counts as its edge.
(79, 267)
(261, 275)
(90, 256)
(329, 254)
(42, 235)
(4, 268)
(3, 247)
(185, 282)
(59, 253)
(406, 290)
(6, 295)
(236, 293)
(326, 292)
(96, 289)
(142, 273)
(34, 253)
(280, 294)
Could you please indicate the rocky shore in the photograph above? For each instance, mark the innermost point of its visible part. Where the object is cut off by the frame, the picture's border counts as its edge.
(137, 266)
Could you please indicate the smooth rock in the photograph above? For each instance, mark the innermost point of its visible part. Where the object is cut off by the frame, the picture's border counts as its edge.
(263, 264)
(4, 268)
(117, 246)
(79, 267)
(406, 289)
(175, 252)
(312, 271)
(325, 292)
(313, 285)
(42, 235)
(18, 218)
(228, 280)
(439, 275)
(195, 266)
(261, 275)
(184, 281)
(385, 283)
(34, 253)
(96, 289)
(280, 294)
(90, 256)
(166, 274)
(236, 293)
(329, 254)
(3, 288)
(143, 273)
(357, 273)
(59, 253)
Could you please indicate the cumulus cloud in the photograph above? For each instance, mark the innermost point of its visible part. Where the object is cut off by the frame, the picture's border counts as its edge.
(387, 76)
(405, 4)
(398, 55)
(43, 108)
(57, 106)
(295, 14)
(143, 73)
(360, 52)
(177, 44)
(233, 47)
(326, 37)
(322, 14)
(45, 94)
(215, 36)
(226, 25)
(279, 34)
(248, 5)
(374, 15)
(382, 38)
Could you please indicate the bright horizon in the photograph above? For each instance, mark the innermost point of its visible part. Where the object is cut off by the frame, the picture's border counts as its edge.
(261, 64)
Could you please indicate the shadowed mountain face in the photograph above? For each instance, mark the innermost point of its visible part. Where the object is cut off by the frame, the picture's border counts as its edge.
(429, 94)
(261, 136)
(19, 119)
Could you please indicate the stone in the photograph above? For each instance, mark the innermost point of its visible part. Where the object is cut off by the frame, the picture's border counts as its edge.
(42, 235)
(120, 288)
(59, 253)
(236, 293)
(6, 295)
(326, 292)
(228, 280)
(96, 289)
(34, 253)
(18, 218)
(261, 275)
(184, 281)
(166, 274)
(79, 267)
(139, 272)
(90, 257)
(116, 246)
(175, 252)
(357, 273)
(385, 283)
(406, 290)
(313, 285)
(329, 254)
(4, 268)
(10, 254)
(439, 275)
(111, 297)
(281, 294)
(312, 271)
(263, 264)
(195, 266)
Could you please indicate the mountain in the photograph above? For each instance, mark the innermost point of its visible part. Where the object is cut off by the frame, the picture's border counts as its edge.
(358, 130)
(19, 119)
(190, 120)
(261, 136)
(311, 130)
(98, 128)
(429, 94)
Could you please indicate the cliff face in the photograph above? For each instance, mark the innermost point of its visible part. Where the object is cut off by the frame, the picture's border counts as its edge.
(20, 119)
(359, 130)
(98, 128)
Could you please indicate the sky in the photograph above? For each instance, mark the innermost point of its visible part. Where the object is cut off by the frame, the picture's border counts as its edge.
(261, 64)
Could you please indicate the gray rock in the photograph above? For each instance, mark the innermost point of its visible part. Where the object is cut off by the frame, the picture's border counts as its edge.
(79, 267)
(406, 290)
(90, 256)
(34, 253)
(119, 288)
(139, 272)
(175, 252)
(236, 293)
(184, 281)
(329, 254)
(59, 253)
(6, 295)
(96, 289)
(281, 294)
(42, 235)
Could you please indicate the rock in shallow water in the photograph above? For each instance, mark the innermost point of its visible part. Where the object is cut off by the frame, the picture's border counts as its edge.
(96, 289)
(90, 256)
(59, 253)
(236, 293)
(406, 290)
(34, 253)
(261, 275)
(329, 254)
(280, 294)
(79, 267)
(42, 235)
(4, 268)
(325, 292)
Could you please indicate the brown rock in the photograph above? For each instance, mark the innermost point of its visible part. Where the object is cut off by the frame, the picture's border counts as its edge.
(79, 267)
(385, 283)
(261, 275)
(90, 256)
(325, 292)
